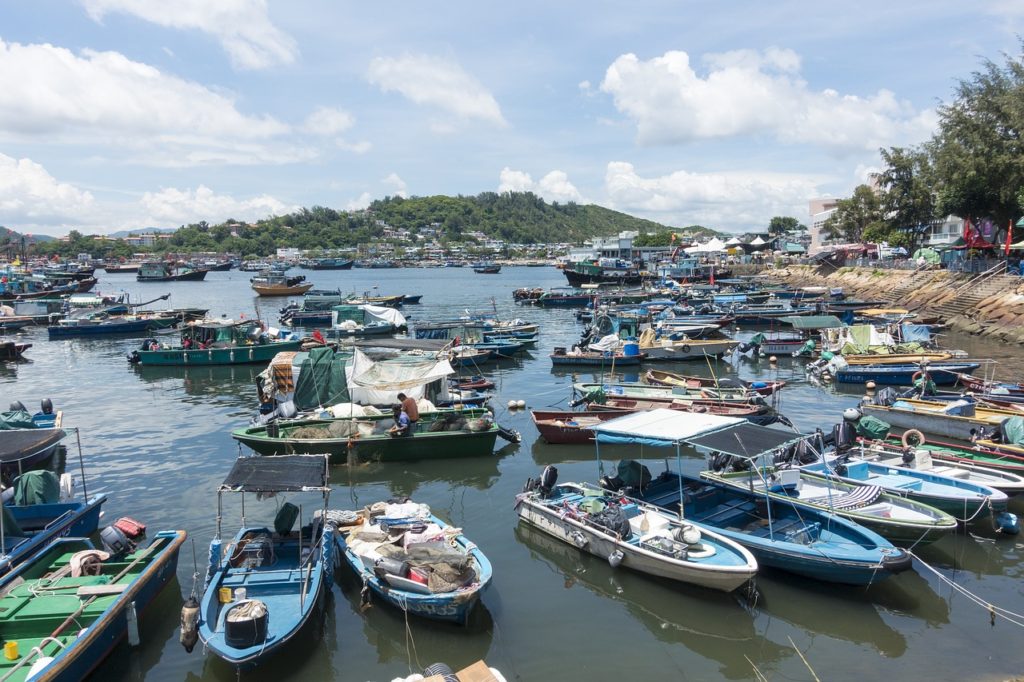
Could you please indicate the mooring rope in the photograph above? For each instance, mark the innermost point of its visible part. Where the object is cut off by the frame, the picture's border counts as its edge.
(993, 610)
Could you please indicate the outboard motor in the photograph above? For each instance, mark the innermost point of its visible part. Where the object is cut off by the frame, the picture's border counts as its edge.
(548, 478)
(115, 541)
(46, 406)
(17, 406)
(844, 435)
(886, 397)
(908, 456)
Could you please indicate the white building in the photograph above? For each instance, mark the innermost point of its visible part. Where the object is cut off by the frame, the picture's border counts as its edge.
(820, 211)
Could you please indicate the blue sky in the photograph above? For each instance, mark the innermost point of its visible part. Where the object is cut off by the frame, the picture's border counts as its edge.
(120, 114)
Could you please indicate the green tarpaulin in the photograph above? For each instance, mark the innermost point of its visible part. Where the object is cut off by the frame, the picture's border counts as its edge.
(321, 381)
(36, 487)
(930, 255)
(872, 428)
(812, 321)
(1013, 430)
(16, 419)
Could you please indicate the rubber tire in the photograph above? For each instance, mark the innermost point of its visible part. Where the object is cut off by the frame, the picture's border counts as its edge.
(685, 348)
(916, 434)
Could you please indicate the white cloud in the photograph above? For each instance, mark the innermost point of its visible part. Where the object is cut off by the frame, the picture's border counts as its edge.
(753, 93)
(397, 184)
(359, 203)
(360, 147)
(242, 26)
(328, 121)
(58, 97)
(30, 195)
(555, 186)
(438, 83)
(171, 206)
(732, 201)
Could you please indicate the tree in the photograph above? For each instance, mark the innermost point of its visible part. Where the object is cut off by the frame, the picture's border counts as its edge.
(978, 149)
(780, 225)
(908, 197)
(854, 215)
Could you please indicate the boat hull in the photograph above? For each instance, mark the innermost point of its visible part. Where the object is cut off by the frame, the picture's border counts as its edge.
(269, 290)
(901, 375)
(78, 331)
(945, 425)
(216, 356)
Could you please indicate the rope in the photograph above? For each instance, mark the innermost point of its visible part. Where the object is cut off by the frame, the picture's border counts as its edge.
(993, 610)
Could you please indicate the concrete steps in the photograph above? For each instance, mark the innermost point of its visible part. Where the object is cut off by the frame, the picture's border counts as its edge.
(967, 301)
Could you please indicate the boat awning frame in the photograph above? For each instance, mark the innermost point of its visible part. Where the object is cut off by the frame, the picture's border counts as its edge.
(745, 440)
(660, 427)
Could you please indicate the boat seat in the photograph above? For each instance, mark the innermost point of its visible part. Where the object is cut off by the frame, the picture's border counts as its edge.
(955, 472)
(896, 481)
(861, 496)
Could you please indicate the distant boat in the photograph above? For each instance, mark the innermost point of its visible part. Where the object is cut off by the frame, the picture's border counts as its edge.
(159, 271)
(11, 349)
(216, 342)
(487, 269)
(331, 264)
(270, 284)
(112, 268)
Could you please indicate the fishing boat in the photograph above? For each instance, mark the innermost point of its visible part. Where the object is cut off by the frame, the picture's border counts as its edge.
(659, 377)
(487, 269)
(28, 439)
(561, 298)
(11, 349)
(965, 500)
(160, 271)
(931, 359)
(68, 606)
(904, 522)
(961, 419)
(12, 323)
(756, 413)
(117, 268)
(594, 392)
(633, 534)
(439, 434)
(667, 349)
(331, 264)
(980, 385)
(266, 583)
(100, 324)
(800, 540)
(593, 358)
(466, 356)
(365, 320)
(602, 271)
(413, 560)
(273, 284)
(560, 427)
(989, 454)
(940, 373)
(217, 342)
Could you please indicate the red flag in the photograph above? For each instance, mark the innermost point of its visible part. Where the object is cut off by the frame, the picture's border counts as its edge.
(711, 280)
(318, 337)
(1009, 237)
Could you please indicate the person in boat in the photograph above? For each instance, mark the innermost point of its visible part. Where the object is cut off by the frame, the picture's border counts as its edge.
(402, 425)
(410, 408)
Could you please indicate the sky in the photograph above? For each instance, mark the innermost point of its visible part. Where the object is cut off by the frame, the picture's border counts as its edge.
(126, 114)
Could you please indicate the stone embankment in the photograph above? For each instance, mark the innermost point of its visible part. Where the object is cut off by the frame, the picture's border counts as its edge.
(989, 305)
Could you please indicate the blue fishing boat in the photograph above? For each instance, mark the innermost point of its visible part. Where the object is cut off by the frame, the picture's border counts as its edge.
(98, 326)
(28, 439)
(264, 586)
(940, 373)
(413, 560)
(812, 543)
(67, 607)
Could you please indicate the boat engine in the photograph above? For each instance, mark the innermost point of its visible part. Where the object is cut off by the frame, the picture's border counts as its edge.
(844, 435)
(548, 478)
(46, 406)
(17, 406)
(115, 541)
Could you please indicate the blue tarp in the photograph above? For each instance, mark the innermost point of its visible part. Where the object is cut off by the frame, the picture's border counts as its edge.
(916, 332)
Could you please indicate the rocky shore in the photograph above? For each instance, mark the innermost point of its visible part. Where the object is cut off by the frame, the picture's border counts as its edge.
(985, 305)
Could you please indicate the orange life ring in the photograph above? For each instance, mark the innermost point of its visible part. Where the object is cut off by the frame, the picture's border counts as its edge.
(915, 377)
(917, 435)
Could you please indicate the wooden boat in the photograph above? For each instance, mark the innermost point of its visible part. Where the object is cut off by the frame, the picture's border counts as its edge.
(935, 359)
(415, 561)
(116, 268)
(62, 626)
(594, 392)
(99, 325)
(940, 373)
(471, 383)
(635, 535)
(25, 439)
(466, 356)
(440, 434)
(688, 349)
(566, 427)
(980, 385)
(904, 522)
(659, 377)
(270, 284)
(12, 323)
(593, 358)
(989, 454)
(959, 420)
(216, 342)
(562, 299)
(964, 500)
(10, 349)
(264, 586)
(159, 271)
(759, 414)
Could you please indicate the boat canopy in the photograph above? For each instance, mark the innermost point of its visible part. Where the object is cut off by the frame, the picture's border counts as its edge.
(660, 427)
(745, 440)
(812, 321)
(283, 473)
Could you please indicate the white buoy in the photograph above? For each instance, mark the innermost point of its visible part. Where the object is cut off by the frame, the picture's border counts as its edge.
(870, 385)
(511, 404)
(773, 359)
(520, 403)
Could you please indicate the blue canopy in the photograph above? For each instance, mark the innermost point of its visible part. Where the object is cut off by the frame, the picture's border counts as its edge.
(660, 427)
(916, 332)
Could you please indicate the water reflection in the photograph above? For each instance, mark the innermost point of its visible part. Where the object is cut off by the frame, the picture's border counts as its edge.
(228, 384)
(708, 623)
(403, 479)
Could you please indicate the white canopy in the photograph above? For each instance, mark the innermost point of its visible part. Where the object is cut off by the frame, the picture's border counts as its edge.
(385, 314)
(378, 383)
(712, 246)
(662, 424)
(757, 241)
(733, 242)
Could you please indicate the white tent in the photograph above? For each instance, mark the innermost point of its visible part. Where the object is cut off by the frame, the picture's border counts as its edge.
(712, 246)
(378, 383)
(757, 241)
(735, 241)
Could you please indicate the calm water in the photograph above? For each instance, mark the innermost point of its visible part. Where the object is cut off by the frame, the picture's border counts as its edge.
(158, 441)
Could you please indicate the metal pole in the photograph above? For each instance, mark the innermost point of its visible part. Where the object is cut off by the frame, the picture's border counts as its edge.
(679, 477)
(81, 464)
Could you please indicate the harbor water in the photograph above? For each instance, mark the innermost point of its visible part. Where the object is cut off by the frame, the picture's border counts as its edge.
(157, 441)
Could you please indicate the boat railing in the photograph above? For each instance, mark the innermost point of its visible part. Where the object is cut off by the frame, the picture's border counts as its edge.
(60, 519)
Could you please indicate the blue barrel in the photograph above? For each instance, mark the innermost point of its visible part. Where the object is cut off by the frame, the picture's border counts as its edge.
(631, 349)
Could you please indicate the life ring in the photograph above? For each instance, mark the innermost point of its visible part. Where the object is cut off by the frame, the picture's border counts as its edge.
(685, 348)
(917, 375)
(916, 435)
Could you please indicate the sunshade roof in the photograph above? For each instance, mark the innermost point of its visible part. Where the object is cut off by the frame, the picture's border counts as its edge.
(17, 444)
(285, 473)
(745, 440)
(661, 426)
(812, 321)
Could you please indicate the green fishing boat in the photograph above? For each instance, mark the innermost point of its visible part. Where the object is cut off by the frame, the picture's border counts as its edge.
(437, 435)
(65, 609)
(217, 342)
